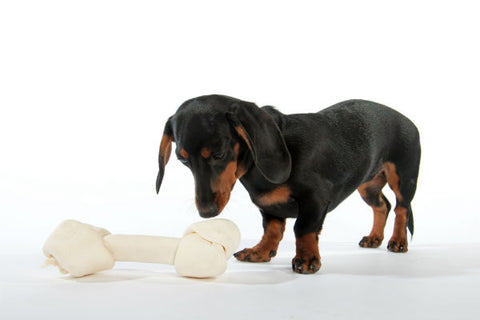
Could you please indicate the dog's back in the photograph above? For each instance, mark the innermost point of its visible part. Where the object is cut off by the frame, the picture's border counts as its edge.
(348, 142)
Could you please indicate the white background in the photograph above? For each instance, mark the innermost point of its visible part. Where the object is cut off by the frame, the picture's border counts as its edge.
(86, 87)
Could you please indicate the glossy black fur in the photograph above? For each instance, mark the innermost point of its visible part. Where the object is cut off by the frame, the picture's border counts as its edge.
(322, 157)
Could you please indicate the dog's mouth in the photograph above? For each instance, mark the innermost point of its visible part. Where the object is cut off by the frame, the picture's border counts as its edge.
(214, 209)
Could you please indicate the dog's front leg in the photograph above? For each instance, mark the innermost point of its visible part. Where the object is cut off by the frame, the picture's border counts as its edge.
(307, 229)
(267, 247)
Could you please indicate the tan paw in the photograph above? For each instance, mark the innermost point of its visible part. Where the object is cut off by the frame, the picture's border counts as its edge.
(370, 242)
(395, 245)
(306, 265)
(255, 255)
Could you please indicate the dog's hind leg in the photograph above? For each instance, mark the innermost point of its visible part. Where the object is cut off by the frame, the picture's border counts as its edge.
(402, 179)
(371, 192)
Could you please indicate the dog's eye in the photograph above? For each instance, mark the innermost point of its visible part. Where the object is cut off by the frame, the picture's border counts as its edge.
(219, 155)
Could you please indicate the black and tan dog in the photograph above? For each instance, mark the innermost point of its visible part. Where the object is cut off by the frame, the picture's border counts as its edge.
(297, 166)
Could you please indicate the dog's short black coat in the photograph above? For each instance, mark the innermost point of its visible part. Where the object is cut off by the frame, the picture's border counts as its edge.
(297, 166)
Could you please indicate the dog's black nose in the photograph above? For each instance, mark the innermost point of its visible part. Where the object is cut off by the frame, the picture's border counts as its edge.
(208, 212)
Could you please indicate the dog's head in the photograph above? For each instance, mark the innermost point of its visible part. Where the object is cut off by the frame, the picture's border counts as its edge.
(219, 138)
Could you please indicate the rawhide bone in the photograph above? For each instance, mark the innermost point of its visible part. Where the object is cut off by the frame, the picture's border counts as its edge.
(81, 249)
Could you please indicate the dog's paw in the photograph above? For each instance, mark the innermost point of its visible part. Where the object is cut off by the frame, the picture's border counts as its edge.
(370, 242)
(395, 245)
(305, 266)
(255, 255)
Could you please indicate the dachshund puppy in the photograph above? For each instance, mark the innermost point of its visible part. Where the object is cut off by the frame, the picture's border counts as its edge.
(297, 166)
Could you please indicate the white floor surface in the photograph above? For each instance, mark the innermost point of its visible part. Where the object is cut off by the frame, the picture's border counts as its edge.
(428, 282)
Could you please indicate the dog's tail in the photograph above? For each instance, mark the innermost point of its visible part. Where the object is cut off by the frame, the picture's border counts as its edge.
(410, 220)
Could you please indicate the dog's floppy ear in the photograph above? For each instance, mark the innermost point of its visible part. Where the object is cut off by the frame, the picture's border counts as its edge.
(264, 139)
(165, 151)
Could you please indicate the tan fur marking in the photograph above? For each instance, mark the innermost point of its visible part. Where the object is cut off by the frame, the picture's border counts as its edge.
(241, 169)
(393, 179)
(273, 235)
(379, 221)
(224, 185)
(166, 148)
(307, 245)
(244, 136)
(307, 259)
(399, 228)
(267, 247)
(379, 212)
(206, 153)
(278, 195)
(236, 149)
(184, 153)
(398, 242)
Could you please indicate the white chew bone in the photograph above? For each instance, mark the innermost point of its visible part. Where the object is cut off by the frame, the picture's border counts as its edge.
(81, 249)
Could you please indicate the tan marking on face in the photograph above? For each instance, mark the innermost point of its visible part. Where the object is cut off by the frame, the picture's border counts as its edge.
(224, 184)
(206, 153)
(184, 153)
(166, 148)
(278, 195)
